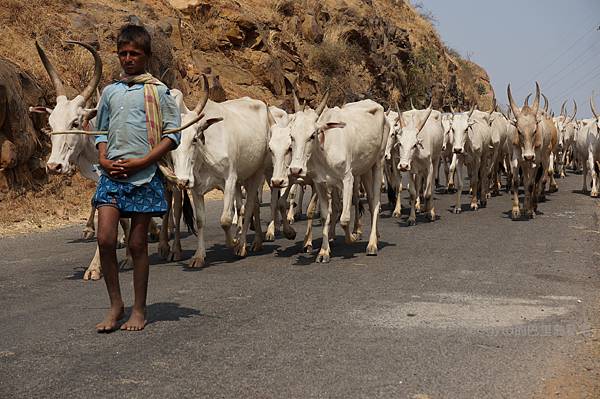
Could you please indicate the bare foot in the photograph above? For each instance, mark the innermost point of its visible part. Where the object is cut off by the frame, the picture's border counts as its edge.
(136, 322)
(111, 320)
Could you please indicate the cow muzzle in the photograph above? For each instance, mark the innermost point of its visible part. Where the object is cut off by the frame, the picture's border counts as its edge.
(529, 157)
(278, 183)
(458, 150)
(296, 171)
(404, 167)
(55, 168)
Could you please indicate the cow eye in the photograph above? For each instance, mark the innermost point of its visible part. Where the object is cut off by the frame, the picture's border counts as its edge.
(312, 136)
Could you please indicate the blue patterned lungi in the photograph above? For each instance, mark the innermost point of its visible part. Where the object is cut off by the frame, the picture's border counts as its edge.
(148, 198)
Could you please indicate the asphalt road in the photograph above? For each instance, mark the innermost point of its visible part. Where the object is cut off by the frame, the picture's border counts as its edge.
(471, 306)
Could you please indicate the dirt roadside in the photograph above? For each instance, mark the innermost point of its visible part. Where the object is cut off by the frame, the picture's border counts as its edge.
(63, 201)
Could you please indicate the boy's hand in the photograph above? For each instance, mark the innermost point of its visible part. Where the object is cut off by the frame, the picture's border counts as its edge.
(112, 167)
(127, 167)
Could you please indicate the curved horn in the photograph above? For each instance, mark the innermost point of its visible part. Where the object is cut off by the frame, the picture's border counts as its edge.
(472, 109)
(536, 100)
(494, 104)
(424, 121)
(399, 115)
(271, 118)
(574, 112)
(411, 104)
(323, 103)
(593, 107)
(562, 108)
(56, 82)
(204, 97)
(513, 107)
(297, 107)
(89, 90)
(546, 103)
(526, 103)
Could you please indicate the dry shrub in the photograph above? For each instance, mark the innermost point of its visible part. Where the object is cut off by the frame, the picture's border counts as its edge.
(285, 7)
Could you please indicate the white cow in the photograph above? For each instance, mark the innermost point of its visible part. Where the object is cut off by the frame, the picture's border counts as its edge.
(280, 147)
(448, 157)
(226, 149)
(500, 154)
(567, 127)
(531, 148)
(390, 166)
(587, 145)
(280, 151)
(472, 144)
(338, 147)
(420, 137)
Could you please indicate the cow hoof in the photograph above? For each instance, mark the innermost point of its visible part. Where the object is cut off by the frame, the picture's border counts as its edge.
(483, 204)
(474, 207)
(164, 251)
(241, 250)
(457, 210)
(516, 214)
(290, 220)
(372, 250)
(308, 248)
(594, 194)
(269, 237)
(351, 239)
(174, 256)
(93, 275)
(412, 222)
(396, 214)
(531, 214)
(290, 233)
(257, 246)
(88, 233)
(431, 216)
(553, 189)
(196, 263)
(323, 258)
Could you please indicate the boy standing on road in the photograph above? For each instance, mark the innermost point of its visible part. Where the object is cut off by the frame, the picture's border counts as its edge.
(134, 110)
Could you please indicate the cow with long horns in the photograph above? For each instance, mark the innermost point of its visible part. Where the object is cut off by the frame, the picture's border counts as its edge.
(531, 148)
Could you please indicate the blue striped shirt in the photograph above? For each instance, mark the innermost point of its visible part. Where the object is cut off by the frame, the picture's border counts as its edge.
(121, 112)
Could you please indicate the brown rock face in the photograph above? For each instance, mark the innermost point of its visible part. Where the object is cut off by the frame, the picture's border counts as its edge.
(311, 30)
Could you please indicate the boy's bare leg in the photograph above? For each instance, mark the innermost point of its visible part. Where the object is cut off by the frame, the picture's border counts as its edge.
(138, 246)
(108, 222)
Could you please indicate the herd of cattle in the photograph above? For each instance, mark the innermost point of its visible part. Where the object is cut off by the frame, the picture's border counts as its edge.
(342, 153)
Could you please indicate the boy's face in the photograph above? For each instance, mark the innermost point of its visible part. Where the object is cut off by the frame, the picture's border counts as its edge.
(132, 59)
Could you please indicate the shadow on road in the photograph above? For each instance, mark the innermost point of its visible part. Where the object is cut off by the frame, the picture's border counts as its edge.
(169, 311)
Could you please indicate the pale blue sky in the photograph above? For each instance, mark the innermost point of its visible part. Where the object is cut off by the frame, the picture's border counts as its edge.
(519, 41)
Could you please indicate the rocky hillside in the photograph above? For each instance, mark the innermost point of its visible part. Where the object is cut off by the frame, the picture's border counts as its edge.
(381, 49)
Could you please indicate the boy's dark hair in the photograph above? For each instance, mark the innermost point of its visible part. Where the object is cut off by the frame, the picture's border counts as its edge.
(135, 34)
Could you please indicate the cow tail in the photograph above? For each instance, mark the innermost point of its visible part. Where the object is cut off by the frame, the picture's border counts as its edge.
(188, 213)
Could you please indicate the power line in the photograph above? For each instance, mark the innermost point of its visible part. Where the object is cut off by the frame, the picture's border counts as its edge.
(595, 27)
(578, 84)
(575, 59)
